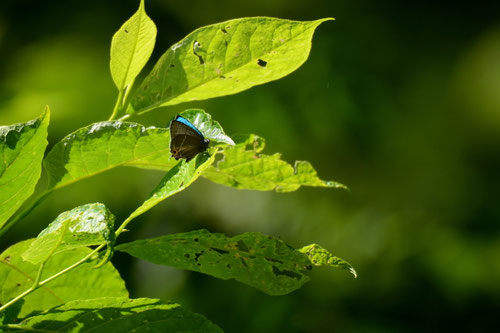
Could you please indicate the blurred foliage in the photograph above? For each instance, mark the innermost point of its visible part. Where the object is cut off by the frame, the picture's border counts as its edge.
(399, 101)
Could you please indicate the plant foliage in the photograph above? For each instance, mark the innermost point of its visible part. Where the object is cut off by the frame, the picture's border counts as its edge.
(52, 282)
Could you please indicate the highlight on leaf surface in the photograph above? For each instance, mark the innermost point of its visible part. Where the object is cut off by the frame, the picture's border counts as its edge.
(244, 167)
(210, 129)
(226, 58)
(263, 262)
(131, 48)
(86, 225)
(83, 282)
(118, 314)
(21, 151)
(321, 257)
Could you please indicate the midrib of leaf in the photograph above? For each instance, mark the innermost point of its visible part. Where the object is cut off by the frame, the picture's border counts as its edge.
(135, 44)
(158, 104)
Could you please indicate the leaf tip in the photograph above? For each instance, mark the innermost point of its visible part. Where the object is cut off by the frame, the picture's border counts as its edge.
(337, 185)
(45, 113)
(353, 272)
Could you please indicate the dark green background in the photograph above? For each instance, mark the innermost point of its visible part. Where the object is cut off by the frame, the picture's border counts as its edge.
(398, 100)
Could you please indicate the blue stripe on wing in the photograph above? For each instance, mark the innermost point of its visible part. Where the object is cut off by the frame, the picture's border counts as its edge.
(188, 123)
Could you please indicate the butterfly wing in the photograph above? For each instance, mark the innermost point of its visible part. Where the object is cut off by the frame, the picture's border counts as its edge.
(185, 142)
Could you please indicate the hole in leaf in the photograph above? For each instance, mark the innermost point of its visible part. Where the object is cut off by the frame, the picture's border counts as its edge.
(187, 255)
(197, 46)
(243, 262)
(261, 63)
(196, 240)
(126, 31)
(223, 30)
(197, 255)
(290, 274)
(220, 251)
(242, 246)
(274, 260)
(172, 65)
(222, 77)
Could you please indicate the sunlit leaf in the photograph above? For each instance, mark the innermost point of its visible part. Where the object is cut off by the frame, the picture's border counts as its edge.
(321, 257)
(226, 58)
(102, 146)
(176, 180)
(21, 152)
(131, 48)
(264, 262)
(86, 225)
(11, 314)
(83, 282)
(105, 315)
(210, 129)
(244, 167)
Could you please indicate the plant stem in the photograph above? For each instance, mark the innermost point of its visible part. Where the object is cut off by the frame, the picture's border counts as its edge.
(39, 284)
(26, 211)
(118, 104)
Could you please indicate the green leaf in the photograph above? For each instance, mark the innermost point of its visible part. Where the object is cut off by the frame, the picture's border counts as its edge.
(17, 275)
(105, 145)
(210, 129)
(131, 48)
(321, 257)
(11, 314)
(102, 146)
(226, 58)
(176, 180)
(264, 262)
(244, 167)
(86, 225)
(21, 152)
(104, 315)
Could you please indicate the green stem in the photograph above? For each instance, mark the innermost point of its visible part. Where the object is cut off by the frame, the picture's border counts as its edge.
(55, 276)
(38, 275)
(26, 211)
(118, 104)
(38, 284)
(17, 298)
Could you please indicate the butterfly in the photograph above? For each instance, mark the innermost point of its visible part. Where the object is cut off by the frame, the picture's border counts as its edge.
(186, 141)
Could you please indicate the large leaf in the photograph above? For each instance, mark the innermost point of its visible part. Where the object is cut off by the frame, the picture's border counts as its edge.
(264, 262)
(103, 146)
(226, 58)
(86, 225)
(21, 153)
(105, 315)
(131, 48)
(176, 180)
(321, 257)
(244, 167)
(17, 275)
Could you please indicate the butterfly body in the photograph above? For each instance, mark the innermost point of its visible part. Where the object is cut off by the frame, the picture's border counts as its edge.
(186, 141)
